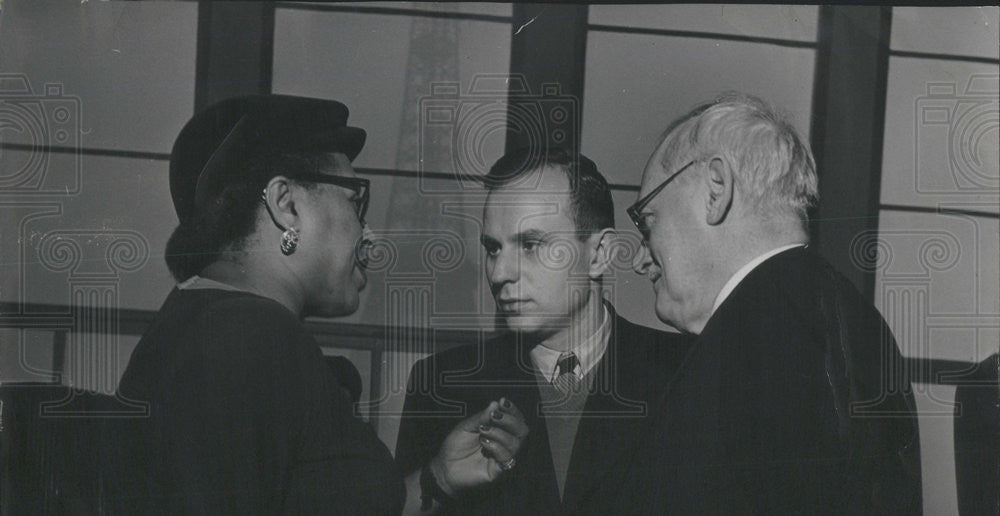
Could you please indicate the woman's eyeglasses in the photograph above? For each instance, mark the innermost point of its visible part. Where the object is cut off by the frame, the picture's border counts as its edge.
(360, 187)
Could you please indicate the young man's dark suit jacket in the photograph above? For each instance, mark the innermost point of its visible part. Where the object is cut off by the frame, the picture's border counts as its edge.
(790, 401)
(462, 381)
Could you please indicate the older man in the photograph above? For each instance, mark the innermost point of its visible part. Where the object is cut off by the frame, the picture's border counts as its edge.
(792, 399)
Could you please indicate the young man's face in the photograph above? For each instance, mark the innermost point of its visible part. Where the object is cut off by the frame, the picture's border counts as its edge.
(536, 265)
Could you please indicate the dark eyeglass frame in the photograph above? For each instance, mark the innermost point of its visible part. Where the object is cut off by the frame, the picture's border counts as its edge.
(361, 187)
(635, 211)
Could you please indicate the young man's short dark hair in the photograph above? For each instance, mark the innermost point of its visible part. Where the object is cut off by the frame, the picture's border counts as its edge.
(593, 209)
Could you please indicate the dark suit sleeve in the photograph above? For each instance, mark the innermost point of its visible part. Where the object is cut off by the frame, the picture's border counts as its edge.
(781, 443)
(431, 411)
(422, 427)
(815, 416)
(345, 468)
(881, 416)
(267, 429)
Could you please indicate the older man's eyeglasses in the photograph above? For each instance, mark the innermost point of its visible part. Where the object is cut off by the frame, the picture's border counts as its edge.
(360, 187)
(635, 211)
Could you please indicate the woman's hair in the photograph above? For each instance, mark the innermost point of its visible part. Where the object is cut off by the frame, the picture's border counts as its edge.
(222, 226)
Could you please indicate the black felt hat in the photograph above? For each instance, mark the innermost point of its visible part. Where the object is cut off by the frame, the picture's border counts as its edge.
(215, 146)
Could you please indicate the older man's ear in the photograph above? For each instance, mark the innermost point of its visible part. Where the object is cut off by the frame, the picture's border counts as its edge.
(720, 191)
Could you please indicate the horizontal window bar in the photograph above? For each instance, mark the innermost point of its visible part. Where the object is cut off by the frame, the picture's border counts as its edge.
(449, 176)
(938, 210)
(395, 11)
(87, 151)
(702, 35)
(387, 172)
(944, 57)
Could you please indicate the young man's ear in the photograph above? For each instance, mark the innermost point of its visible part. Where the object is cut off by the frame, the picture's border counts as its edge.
(720, 191)
(602, 244)
(279, 198)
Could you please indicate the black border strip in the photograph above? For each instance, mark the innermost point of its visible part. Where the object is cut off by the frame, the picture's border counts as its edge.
(820, 94)
(266, 65)
(938, 210)
(880, 97)
(702, 35)
(548, 45)
(944, 57)
(394, 11)
(202, 52)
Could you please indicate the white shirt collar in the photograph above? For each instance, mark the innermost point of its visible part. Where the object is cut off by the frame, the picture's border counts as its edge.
(736, 278)
(197, 282)
(588, 353)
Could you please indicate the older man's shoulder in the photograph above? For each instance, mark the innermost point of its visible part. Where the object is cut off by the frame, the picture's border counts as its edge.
(804, 281)
(651, 347)
(638, 334)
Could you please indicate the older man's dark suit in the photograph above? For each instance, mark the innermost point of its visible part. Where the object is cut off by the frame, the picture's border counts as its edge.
(638, 362)
(792, 400)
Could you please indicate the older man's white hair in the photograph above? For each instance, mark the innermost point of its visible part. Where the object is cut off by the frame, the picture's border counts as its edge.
(774, 170)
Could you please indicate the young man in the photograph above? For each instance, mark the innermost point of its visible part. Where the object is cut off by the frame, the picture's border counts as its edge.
(581, 374)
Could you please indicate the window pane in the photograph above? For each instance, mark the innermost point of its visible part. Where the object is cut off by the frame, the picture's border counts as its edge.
(367, 61)
(942, 133)
(971, 31)
(125, 70)
(937, 283)
(126, 209)
(796, 22)
(636, 84)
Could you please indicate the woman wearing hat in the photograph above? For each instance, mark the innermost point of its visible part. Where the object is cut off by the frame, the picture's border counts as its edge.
(244, 414)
